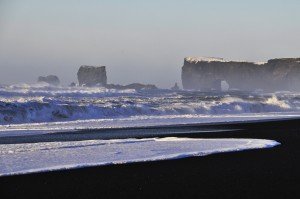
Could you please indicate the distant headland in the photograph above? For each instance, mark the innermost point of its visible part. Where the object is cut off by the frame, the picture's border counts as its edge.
(206, 73)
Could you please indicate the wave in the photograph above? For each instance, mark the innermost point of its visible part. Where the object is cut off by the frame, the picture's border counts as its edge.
(49, 156)
(45, 90)
(41, 103)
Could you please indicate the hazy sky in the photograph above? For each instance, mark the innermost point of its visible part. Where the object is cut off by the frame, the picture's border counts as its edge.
(140, 41)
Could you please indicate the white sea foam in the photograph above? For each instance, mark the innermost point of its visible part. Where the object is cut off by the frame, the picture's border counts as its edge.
(134, 121)
(40, 157)
(39, 103)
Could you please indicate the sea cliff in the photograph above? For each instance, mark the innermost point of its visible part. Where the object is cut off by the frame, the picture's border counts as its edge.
(277, 74)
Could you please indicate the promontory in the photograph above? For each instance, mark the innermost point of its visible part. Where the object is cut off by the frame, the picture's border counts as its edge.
(203, 73)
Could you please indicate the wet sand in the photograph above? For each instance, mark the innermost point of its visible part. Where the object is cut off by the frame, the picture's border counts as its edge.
(260, 173)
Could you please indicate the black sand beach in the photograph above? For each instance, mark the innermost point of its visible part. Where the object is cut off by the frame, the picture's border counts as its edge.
(262, 173)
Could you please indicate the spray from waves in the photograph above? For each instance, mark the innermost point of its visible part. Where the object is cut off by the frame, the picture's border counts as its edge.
(45, 90)
(38, 103)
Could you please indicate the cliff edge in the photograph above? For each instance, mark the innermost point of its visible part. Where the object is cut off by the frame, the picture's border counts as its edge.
(202, 73)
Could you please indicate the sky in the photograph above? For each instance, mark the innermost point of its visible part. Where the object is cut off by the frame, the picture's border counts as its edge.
(139, 41)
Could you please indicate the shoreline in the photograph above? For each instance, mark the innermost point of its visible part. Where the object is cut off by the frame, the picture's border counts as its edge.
(256, 173)
(268, 129)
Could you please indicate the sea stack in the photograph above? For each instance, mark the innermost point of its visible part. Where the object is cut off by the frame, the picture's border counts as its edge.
(50, 79)
(202, 73)
(175, 87)
(92, 76)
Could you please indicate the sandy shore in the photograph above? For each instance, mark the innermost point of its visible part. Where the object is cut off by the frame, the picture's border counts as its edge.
(249, 174)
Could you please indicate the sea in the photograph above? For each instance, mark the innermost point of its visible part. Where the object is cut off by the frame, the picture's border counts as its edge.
(39, 109)
(44, 106)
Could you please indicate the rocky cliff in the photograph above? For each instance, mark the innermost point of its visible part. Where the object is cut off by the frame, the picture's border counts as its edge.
(92, 75)
(276, 74)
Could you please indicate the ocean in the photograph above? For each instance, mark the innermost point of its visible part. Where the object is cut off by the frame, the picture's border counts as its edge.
(41, 106)
(66, 114)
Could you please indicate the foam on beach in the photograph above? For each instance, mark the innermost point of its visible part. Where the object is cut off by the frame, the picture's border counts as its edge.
(49, 156)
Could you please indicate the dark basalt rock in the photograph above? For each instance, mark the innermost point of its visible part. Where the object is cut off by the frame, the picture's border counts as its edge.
(274, 75)
(92, 76)
(136, 86)
(72, 84)
(50, 79)
(175, 87)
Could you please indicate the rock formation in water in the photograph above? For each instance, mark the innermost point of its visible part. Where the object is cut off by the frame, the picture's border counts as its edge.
(276, 74)
(73, 84)
(50, 79)
(92, 76)
(96, 76)
(136, 86)
(175, 87)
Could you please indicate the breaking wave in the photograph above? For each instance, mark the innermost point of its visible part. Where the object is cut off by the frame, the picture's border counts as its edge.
(41, 103)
